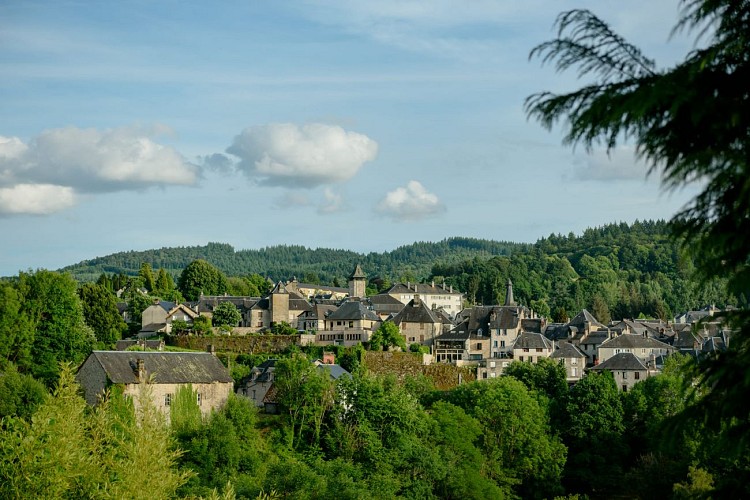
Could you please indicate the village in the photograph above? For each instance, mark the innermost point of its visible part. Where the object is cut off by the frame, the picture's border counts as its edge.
(433, 322)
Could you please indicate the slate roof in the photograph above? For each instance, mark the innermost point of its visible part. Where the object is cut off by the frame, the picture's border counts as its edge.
(566, 350)
(412, 313)
(620, 362)
(335, 371)
(582, 317)
(528, 340)
(353, 310)
(633, 341)
(454, 335)
(166, 367)
(532, 325)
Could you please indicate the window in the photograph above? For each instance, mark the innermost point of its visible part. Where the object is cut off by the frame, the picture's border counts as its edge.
(495, 345)
(520, 358)
(502, 343)
(351, 324)
(538, 349)
(624, 376)
(167, 399)
(525, 349)
(574, 372)
(484, 375)
(199, 398)
(492, 364)
(637, 375)
(479, 346)
(624, 388)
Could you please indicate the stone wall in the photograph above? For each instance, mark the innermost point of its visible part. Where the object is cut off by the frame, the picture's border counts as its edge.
(246, 344)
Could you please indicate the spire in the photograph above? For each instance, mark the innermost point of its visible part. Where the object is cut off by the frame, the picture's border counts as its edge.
(509, 294)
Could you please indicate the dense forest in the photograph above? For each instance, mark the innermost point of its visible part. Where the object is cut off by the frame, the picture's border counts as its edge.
(323, 265)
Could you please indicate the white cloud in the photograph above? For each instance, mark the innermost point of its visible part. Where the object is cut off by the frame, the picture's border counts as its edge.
(412, 202)
(91, 160)
(36, 199)
(284, 154)
(292, 199)
(620, 164)
(333, 203)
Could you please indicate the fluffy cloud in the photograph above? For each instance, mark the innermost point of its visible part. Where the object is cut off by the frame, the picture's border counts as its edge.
(59, 163)
(91, 160)
(36, 199)
(620, 164)
(412, 202)
(285, 154)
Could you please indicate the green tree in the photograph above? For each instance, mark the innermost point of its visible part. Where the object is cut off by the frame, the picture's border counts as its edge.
(146, 273)
(16, 328)
(200, 277)
(101, 314)
(202, 325)
(387, 335)
(226, 314)
(20, 394)
(283, 328)
(689, 122)
(61, 335)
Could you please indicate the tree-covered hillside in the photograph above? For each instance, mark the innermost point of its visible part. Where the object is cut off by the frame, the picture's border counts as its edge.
(324, 265)
(616, 271)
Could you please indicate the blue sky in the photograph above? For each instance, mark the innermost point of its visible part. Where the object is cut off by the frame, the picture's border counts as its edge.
(361, 125)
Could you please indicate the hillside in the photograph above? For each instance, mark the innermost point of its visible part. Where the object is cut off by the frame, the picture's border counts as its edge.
(413, 261)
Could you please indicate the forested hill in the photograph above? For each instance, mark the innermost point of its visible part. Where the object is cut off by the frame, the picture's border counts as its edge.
(325, 265)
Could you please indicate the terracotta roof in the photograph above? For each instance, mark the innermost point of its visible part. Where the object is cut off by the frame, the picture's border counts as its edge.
(166, 367)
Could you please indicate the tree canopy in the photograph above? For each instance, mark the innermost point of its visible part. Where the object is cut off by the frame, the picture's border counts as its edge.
(691, 124)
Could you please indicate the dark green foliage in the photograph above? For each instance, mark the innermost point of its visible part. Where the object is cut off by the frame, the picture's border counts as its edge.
(200, 277)
(50, 301)
(202, 325)
(227, 314)
(16, 328)
(101, 314)
(20, 394)
(387, 335)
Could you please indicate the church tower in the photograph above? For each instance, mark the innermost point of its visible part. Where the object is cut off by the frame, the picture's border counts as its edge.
(357, 283)
(509, 294)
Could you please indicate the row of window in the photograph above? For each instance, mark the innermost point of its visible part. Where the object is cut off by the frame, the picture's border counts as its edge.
(168, 399)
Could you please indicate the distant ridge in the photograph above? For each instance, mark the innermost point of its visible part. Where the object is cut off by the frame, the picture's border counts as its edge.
(285, 261)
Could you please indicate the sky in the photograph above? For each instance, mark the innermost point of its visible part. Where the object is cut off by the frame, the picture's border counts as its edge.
(359, 125)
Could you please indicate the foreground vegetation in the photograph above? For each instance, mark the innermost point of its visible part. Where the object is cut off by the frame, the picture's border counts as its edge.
(524, 434)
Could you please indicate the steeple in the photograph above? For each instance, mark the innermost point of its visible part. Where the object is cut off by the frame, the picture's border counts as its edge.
(509, 294)
(357, 283)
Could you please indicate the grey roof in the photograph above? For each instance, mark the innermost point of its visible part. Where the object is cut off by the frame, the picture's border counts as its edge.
(416, 311)
(621, 361)
(567, 350)
(529, 340)
(632, 341)
(595, 338)
(532, 325)
(166, 367)
(582, 318)
(454, 335)
(335, 371)
(352, 310)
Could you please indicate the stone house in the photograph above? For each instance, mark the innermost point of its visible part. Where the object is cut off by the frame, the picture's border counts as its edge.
(626, 368)
(530, 347)
(572, 359)
(434, 296)
(352, 323)
(417, 323)
(642, 346)
(164, 373)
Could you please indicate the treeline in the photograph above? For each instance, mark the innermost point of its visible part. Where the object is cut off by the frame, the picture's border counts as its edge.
(321, 265)
(522, 435)
(616, 271)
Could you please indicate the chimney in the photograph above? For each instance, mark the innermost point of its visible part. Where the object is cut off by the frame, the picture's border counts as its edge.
(210, 348)
(328, 358)
(417, 300)
(140, 370)
(433, 283)
(451, 289)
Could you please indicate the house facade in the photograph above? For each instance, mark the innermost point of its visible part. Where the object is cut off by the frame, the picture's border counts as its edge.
(626, 368)
(161, 373)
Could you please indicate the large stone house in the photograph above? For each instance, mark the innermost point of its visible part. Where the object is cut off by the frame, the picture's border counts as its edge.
(434, 296)
(352, 323)
(280, 305)
(417, 323)
(161, 373)
(642, 346)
